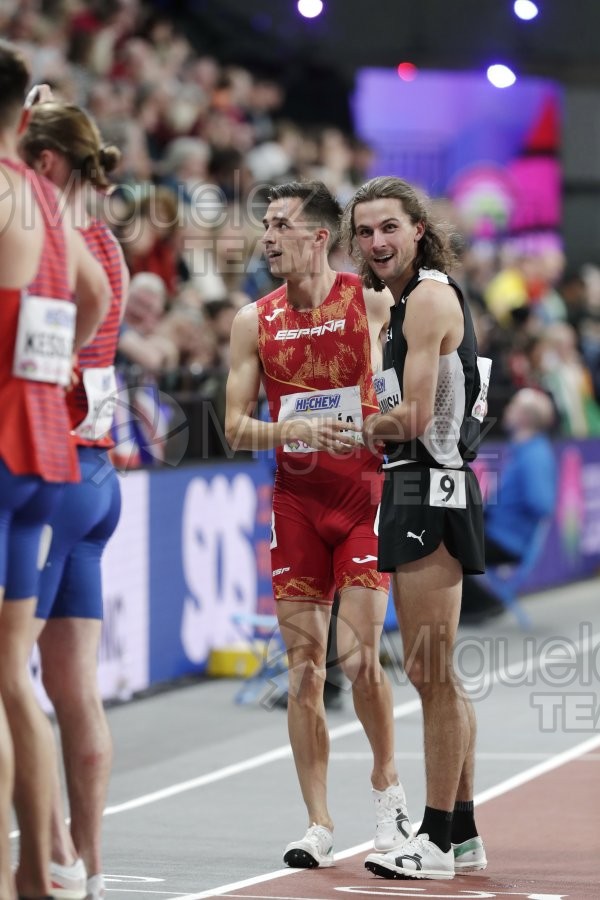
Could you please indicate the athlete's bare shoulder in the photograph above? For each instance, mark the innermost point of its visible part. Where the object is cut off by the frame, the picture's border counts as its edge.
(435, 315)
(247, 313)
(435, 298)
(244, 330)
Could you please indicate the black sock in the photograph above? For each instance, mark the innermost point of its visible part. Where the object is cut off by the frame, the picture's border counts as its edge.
(463, 822)
(437, 823)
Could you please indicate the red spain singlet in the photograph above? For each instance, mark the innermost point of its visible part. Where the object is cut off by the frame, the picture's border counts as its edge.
(34, 422)
(100, 352)
(315, 350)
(324, 506)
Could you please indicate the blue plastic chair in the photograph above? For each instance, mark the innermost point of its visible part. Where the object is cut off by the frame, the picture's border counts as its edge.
(507, 579)
(270, 681)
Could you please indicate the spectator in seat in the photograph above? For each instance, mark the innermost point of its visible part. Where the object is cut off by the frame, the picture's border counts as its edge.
(525, 495)
(140, 343)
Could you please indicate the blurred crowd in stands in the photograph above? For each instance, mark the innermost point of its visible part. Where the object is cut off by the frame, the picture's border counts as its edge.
(201, 142)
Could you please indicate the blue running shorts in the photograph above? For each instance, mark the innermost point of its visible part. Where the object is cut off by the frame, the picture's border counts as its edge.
(26, 503)
(71, 582)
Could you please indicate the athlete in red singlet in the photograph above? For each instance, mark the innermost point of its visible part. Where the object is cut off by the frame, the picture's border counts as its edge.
(64, 144)
(313, 343)
(42, 262)
(304, 352)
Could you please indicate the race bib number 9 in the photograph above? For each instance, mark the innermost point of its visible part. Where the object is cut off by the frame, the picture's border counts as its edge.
(387, 390)
(447, 488)
(343, 404)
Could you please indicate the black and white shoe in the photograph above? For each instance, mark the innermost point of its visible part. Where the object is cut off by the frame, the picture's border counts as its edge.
(469, 856)
(314, 850)
(417, 858)
(392, 824)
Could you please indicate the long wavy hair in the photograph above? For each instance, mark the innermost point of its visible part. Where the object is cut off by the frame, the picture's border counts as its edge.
(434, 250)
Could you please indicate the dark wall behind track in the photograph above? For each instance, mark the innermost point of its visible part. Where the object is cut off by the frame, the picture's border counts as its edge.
(561, 42)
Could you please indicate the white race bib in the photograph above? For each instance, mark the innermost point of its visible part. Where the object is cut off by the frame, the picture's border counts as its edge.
(343, 404)
(387, 389)
(447, 488)
(100, 389)
(44, 344)
(484, 364)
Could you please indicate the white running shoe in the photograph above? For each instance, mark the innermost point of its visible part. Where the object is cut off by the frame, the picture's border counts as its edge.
(417, 858)
(469, 856)
(315, 849)
(392, 825)
(68, 882)
(95, 888)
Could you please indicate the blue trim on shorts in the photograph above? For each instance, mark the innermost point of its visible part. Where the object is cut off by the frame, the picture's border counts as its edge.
(26, 504)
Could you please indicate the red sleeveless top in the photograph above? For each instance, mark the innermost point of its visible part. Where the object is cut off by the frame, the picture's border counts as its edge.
(100, 352)
(34, 423)
(315, 350)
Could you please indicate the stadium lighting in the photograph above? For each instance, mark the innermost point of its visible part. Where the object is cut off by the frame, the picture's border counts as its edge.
(501, 76)
(310, 9)
(407, 71)
(525, 9)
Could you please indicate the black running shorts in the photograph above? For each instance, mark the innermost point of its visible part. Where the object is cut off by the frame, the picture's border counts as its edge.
(421, 507)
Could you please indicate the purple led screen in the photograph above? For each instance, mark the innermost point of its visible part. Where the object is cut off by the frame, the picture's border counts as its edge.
(494, 152)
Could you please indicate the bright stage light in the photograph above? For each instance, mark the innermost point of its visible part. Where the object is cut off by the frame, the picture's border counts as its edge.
(525, 9)
(407, 71)
(501, 76)
(310, 9)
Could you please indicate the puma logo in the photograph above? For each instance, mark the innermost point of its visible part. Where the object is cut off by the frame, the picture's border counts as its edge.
(417, 537)
(274, 315)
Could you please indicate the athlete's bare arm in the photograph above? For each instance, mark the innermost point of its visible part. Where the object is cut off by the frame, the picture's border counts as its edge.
(378, 304)
(243, 432)
(91, 285)
(21, 231)
(433, 326)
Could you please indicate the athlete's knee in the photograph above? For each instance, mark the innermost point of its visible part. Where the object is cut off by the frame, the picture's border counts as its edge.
(428, 660)
(416, 672)
(306, 677)
(15, 682)
(429, 672)
(65, 688)
(362, 668)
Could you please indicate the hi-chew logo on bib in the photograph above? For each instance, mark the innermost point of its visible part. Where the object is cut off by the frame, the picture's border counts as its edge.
(387, 390)
(318, 403)
(343, 404)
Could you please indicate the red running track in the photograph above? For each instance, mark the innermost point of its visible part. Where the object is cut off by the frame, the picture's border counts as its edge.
(542, 841)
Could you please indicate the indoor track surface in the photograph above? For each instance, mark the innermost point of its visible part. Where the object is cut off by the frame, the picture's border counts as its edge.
(204, 795)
